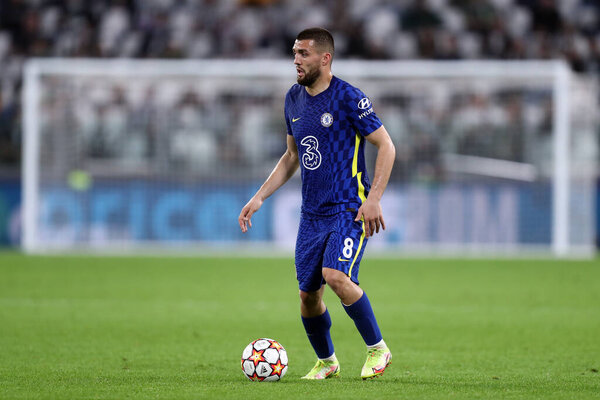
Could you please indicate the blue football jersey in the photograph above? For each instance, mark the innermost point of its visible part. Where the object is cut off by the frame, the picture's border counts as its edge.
(329, 130)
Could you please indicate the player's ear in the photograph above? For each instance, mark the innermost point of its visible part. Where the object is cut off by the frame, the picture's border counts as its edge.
(326, 59)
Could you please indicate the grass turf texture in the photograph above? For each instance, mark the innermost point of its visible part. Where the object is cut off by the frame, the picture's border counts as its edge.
(110, 328)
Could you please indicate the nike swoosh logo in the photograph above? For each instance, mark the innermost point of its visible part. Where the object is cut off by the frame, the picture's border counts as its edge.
(342, 259)
(295, 119)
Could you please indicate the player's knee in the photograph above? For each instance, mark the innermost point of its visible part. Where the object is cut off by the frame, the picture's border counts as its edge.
(334, 278)
(309, 299)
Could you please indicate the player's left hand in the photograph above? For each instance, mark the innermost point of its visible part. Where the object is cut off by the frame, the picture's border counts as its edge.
(373, 217)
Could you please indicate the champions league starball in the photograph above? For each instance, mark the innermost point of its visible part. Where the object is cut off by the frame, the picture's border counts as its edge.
(264, 360)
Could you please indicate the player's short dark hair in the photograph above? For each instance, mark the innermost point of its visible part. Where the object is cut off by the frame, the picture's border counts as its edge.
(322, 37)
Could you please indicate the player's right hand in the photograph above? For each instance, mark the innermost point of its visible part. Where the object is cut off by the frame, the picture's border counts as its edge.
(250, 208)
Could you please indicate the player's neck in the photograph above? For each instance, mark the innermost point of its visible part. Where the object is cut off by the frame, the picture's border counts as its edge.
(320, 84)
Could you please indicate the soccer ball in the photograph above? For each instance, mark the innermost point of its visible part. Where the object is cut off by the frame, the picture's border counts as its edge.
(264, 360)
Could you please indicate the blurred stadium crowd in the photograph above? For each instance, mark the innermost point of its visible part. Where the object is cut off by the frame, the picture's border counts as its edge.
(364, 29)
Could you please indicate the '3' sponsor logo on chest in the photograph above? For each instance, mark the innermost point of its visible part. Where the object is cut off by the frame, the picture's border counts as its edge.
(311, 159)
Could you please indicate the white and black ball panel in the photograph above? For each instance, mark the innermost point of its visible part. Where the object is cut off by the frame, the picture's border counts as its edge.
(262, 344)
(263, 369)
(247, 351)
(264, 359)
(283, 357)
(271, 355)
(248, 367)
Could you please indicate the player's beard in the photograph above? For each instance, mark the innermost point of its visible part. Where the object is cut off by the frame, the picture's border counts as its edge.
(309, 77)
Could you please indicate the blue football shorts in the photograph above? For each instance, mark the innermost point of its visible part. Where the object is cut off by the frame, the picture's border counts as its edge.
(335, 241)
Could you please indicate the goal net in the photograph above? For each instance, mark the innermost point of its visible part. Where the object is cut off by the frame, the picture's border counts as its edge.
(492, 157)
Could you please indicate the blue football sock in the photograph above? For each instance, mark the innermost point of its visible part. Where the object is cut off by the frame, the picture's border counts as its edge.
(364, 319)
(317, 330)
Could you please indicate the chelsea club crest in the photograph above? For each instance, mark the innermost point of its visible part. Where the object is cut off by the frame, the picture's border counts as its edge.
(326, 120)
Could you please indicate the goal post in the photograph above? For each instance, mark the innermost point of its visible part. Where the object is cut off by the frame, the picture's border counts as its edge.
(494, 157)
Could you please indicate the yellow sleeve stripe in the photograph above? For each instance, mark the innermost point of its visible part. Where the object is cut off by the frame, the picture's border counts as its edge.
(361, 195)
(355, 173)
(355, 158)
(361, 188)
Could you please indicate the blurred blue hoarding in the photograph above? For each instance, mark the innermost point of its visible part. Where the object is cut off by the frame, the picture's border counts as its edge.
(10, 205)
(172, 213)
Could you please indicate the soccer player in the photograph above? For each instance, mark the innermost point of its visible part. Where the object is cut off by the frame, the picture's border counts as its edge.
(328, 121)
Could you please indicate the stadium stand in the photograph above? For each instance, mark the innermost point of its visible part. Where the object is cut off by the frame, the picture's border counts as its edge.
(365, 29)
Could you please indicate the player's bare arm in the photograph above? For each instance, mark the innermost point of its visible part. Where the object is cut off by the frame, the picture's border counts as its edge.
(371, 208)
(283, 171)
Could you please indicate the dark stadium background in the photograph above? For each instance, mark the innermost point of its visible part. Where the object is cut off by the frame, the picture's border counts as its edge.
(365, 29)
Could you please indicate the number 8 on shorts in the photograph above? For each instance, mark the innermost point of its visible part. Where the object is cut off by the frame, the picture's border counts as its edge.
(347, 249)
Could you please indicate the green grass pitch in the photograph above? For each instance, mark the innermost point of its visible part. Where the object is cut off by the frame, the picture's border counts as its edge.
(175, 328)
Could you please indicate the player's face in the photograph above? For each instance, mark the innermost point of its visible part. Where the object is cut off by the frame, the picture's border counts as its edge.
(308, 62)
